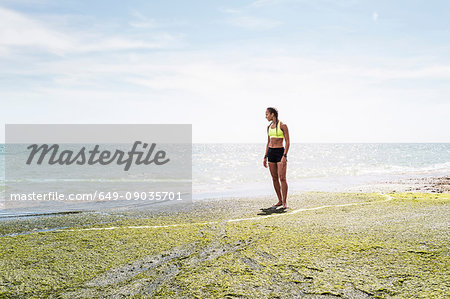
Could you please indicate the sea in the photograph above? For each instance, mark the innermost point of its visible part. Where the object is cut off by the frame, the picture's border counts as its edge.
(223, 170)
(235, 170)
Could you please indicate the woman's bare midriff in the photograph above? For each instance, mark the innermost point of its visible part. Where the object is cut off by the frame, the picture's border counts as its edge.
(276, 142)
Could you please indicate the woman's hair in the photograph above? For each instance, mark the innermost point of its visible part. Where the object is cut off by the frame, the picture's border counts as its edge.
(275, 112)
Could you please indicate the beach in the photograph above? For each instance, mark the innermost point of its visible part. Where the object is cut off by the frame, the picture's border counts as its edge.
(230, 149)
(388, 240)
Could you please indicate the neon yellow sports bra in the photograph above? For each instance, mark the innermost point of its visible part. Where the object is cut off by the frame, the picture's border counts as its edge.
(277, 132)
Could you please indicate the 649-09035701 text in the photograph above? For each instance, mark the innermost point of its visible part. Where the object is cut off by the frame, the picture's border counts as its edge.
(97, 195)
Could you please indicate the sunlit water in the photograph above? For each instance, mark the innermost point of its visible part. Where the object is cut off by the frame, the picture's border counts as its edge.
(237, 169)
(232, 170)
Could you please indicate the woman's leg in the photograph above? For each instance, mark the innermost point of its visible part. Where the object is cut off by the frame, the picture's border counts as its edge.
(276, 183)
(284, 187)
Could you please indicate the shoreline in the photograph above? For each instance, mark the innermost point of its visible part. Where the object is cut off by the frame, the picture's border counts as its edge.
(362, 183)
(429, 184)
(411, 183)
(434, 184)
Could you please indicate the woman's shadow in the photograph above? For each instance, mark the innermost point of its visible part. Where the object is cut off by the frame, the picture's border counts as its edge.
(270, 211)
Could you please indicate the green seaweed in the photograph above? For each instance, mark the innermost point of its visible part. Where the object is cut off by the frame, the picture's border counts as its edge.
(379, 249)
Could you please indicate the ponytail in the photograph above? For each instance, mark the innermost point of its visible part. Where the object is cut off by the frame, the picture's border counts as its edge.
(275, 112)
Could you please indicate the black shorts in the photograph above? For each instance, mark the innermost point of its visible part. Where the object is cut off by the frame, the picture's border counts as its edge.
(275, 154)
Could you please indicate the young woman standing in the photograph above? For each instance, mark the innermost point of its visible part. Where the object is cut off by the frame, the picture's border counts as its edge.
(276, 154)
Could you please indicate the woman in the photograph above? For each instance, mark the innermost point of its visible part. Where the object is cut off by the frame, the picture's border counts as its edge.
(277, 155)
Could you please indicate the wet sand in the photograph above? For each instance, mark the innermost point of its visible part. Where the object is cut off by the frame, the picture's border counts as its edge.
(327, 245)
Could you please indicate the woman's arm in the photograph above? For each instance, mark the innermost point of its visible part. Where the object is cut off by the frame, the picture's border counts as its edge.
(286, 138)
(268, 142)
(267, 151)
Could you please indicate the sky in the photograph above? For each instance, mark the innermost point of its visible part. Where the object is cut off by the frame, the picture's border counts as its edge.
(338, 71)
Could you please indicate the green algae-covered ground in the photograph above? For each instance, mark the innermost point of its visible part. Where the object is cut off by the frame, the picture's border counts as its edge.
(376, 248)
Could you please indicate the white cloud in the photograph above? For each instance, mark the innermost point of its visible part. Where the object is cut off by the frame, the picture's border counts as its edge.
(242, 20)
(230, 10)
(141, 21)
(264, 2)
(18, 30)
(375, 16)
(438, 72)
(253, 23)
(154, 41)
(197, 87)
